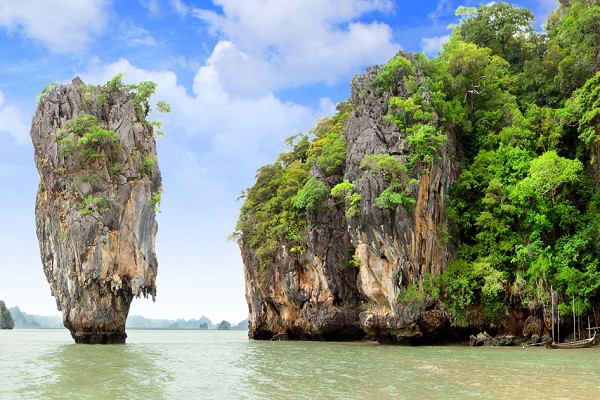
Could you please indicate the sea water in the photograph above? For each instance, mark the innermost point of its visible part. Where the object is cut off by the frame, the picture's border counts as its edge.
(169, 364)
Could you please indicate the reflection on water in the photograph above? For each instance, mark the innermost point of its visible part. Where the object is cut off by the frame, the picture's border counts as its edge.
(226, 365)
(97, 372)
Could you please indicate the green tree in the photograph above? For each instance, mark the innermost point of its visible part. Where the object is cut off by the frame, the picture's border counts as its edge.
(346, 192)
(312, 195)
(399, 186)
(578, 34)
(328, 149)
(393, 72)
(501, 27)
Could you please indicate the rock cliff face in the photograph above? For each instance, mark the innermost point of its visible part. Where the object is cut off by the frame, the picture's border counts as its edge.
(401, 248)
(95, 208)
(314, 295)
(310, 296)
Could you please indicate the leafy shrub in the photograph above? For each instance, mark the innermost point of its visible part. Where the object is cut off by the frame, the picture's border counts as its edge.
(66, 144)
(395, 175)
(333, 154)
(394, 196)
(163, 107)
(425, 142)
(45, 92)
(328, 149)
(156, 198)
(91, 204)
(145, 167)
(346, 192)
(96, 140)
(81, 124)
(116, 82)
(411, 296)
(312, 195)
(398, 67)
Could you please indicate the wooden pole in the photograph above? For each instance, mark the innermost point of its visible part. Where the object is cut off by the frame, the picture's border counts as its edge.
(578, 323)
(589, 327)
(574, 322)
(552, 307)
(558, 326)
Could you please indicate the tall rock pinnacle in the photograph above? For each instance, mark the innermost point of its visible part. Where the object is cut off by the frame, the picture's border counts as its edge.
(96, 203)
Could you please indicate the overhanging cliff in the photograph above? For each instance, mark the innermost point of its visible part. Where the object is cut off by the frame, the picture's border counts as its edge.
(95, 209)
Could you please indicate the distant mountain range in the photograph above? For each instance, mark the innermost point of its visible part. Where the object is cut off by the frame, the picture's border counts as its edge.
(29, 321)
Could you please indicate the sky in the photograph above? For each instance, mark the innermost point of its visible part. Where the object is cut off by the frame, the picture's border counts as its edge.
(240, 76)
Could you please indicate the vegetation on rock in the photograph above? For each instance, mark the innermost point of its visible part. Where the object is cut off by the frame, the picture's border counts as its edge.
(524, 108)
(274, 210)
(100, 188)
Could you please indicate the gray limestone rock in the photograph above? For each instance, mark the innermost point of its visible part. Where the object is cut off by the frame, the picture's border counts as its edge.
(315, 295)
(95, 208)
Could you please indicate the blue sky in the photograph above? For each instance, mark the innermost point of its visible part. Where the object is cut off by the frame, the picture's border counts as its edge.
(240, 75)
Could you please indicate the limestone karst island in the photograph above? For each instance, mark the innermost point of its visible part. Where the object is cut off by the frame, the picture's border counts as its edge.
(447, 197)
(95, 211)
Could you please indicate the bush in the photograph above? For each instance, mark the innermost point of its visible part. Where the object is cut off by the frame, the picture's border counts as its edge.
(92, 204)
(333, 154)
(45, 92)
(395, 196)
(345, 192)
(395, 176)
(312, 195)
(96, 140)
(393, 71)
(411, 296)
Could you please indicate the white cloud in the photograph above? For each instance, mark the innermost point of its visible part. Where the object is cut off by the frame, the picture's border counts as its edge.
(152, 6)
(273, 44)
(13, 121)
(432, 45)
(134, 35)
(64, 26)
(179, 7)
(444, 7)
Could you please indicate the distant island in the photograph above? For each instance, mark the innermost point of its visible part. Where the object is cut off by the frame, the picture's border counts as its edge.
(6, 319)
(22, 320)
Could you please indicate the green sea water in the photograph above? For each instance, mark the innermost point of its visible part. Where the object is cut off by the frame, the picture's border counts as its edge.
(45, 364)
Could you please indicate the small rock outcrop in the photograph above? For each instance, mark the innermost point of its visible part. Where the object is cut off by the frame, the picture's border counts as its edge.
(6, 319)
(484, 339)
(96, 203)
(224, 326)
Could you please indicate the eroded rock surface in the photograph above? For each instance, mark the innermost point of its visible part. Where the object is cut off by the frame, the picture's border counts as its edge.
(404, 247)
(95, 208)
(309, 296)
(315, 295)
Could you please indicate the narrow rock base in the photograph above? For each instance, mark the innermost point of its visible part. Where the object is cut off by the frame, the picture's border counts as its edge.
(99, 337)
